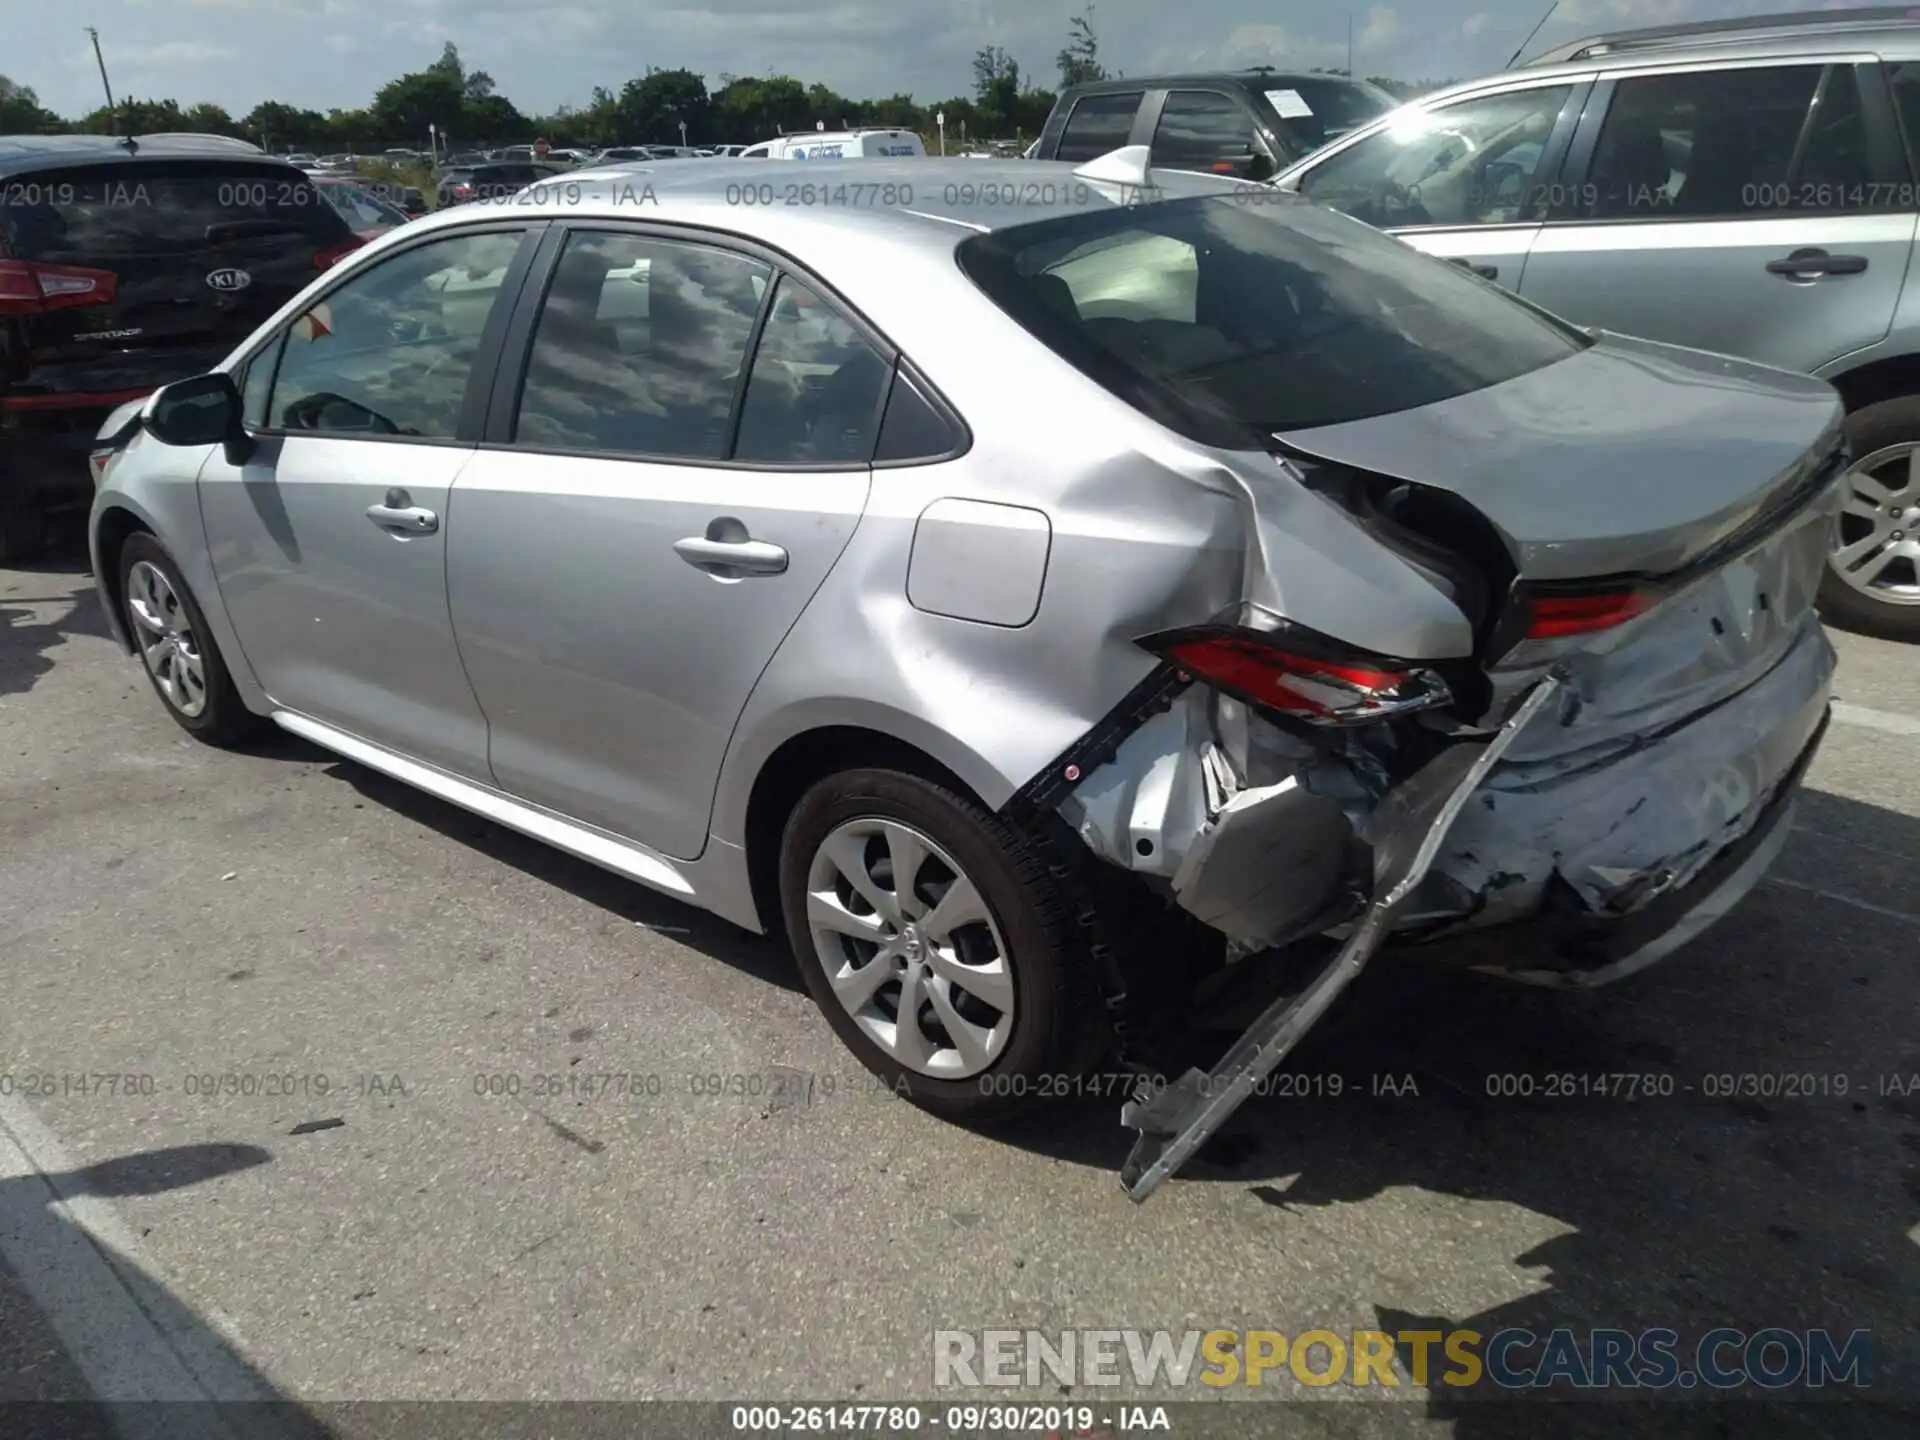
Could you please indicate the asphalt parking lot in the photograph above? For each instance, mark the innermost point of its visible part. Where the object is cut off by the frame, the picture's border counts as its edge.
(173, 912)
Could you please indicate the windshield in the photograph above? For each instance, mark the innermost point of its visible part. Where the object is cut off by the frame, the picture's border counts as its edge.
(1229, 320)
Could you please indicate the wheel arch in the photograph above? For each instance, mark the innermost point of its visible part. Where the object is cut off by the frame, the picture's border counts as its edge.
(112, 527)
(1891, 377)
(802, 761)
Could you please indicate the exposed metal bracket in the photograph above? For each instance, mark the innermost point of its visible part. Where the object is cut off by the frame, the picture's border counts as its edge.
(1406, 834)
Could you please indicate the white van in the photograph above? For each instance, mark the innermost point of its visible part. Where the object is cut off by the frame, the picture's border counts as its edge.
(837, 145)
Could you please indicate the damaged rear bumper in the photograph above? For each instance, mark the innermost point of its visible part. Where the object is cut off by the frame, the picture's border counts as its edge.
(1569, 946)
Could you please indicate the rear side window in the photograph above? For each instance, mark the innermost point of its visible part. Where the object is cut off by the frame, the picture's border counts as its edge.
(638, 348)
(1733, 144)
(814, 395)
(159, 208)
(1098, 125)
(1228, 322)
(1205, 130)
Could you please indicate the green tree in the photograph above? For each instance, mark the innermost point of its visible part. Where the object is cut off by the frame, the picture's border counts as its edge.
(402, 109)
(749, 108)
(21, 112)
(207, 118)
(1079, 58)
(277, 126)
(996, 88)
(652, 108)
(136, 117)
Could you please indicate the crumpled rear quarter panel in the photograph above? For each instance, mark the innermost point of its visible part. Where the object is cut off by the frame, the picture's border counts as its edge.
(1671, 737)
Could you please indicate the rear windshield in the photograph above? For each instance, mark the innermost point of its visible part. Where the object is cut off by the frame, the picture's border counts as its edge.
(158, 208)
(1228, 319)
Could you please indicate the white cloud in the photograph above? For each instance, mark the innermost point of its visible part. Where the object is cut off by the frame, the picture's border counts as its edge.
(1476, 24)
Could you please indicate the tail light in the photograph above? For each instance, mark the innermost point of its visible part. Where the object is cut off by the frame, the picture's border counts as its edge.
(98, 461)
(334, 254)
(1322, 689)
(463, 192)
(1554, 617)
(28, 287)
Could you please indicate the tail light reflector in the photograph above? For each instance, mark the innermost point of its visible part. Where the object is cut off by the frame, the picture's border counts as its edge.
(1313, 688)
(1556, 616)
(334, 254)
(28, 287)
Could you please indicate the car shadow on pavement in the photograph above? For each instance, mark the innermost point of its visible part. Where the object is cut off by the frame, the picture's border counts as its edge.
(762, 958)
(95, 1347)
(1731, 1140)
(26, 635)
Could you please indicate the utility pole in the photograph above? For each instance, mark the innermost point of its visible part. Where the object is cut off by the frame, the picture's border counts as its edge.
(1349, 44)
(100, 60)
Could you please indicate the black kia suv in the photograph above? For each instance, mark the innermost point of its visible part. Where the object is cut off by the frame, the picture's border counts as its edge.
(125, 265)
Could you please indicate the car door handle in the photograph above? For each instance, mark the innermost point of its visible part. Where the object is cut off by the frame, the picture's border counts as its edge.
(398, 515)
(1810, 264)
(1485, 272)
(741, 557)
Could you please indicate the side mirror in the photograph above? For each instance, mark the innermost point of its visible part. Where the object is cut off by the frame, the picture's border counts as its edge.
(202, 411)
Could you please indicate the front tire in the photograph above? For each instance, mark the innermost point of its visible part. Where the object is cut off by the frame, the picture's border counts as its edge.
(939, 943)
(1872, 582)
(177, 648)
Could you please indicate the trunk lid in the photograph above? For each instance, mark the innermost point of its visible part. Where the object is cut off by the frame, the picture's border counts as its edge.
(201, 249)
(1628, 458)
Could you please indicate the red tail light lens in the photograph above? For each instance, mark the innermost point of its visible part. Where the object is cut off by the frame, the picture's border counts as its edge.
(1557, 616)
(28, 287)
(1313, 688)
(334, 254)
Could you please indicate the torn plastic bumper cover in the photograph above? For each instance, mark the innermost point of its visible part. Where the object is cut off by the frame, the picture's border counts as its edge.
(1405, 834)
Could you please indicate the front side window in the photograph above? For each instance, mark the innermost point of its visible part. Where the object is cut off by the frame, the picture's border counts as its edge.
(639, 347)
(390, 351)
(814, 395)
(1205, 130)
(1098, 125)
(1476, 162)
(1732, 144)
(1229, 322)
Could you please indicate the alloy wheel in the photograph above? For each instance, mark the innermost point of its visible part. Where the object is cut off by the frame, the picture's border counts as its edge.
(910, 948)
(1879, 549)
(167, 643)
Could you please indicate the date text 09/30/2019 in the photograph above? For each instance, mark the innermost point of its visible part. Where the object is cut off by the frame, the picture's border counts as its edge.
(1052, 1421)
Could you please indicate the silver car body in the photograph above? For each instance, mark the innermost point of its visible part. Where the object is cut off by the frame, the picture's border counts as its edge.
(544, 658)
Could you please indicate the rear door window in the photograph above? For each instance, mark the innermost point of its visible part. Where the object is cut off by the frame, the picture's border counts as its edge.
(814, 395)
(639, 348)
(1206, 130)
(1098, 125)
(1735, 144)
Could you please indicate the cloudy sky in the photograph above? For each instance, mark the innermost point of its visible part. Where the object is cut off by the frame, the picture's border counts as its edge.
(325, 53)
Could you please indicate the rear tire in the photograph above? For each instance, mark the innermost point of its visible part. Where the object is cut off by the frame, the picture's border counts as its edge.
(177, 648)
(1881, 436)
(1034, 1017)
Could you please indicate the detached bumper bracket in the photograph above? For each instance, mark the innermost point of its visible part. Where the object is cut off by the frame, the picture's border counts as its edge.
(1405, 834)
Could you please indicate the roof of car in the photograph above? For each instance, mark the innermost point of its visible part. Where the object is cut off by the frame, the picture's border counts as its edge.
(919, 199)
(22, 153)
(1878, 28)
(1260, 79)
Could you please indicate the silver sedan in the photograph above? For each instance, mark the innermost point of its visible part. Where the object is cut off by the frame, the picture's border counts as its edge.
(1042, 598)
